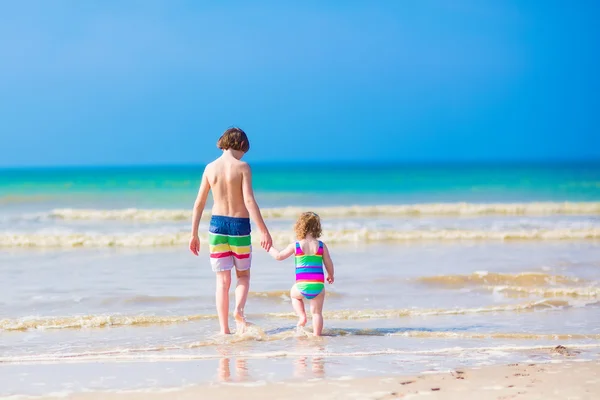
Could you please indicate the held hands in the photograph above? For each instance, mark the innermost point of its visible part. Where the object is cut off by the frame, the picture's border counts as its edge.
(195, 245)
(330, 279)
(266, 241)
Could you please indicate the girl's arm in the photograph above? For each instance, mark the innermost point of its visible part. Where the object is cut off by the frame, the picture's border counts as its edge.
(328, 264)
(285, 253)
(197, 213)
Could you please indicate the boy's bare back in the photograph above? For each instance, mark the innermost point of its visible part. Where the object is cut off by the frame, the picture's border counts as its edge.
(226, 177)
(230, 181)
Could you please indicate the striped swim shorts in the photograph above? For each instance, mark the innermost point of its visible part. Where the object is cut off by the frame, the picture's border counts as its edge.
(229, 243)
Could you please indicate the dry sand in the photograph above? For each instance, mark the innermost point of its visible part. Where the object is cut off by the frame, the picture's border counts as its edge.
(567, 380)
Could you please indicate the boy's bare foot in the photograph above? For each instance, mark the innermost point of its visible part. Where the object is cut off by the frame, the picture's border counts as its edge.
(240, 321)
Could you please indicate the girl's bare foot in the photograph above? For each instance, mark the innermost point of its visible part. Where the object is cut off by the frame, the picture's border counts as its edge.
(301, 321)
(298, 305)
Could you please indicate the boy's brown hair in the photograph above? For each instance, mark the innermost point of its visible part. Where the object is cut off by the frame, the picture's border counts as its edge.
(235, 139)
(309, 222)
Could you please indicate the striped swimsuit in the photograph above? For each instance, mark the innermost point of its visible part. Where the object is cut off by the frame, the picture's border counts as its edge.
(310, 278)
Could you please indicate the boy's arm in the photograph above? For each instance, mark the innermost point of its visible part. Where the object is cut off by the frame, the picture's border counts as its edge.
(199, 205)
(328, 264)
(265, 240)
(285, 253)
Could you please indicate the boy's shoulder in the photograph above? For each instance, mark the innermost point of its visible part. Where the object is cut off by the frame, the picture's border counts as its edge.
(210, 167)
(211, 164)
(242, 165)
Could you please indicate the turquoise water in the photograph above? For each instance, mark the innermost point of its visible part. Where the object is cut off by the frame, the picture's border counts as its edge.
(436, 267)
(173, 186)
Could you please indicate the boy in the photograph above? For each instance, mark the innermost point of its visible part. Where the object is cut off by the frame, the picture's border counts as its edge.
(229, 234)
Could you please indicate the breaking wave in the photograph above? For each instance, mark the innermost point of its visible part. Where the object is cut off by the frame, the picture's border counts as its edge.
(518, 285)
(105, 321)
(441, 209)
(525, 279)
(554, 304)
(516, 291)
(94, 321)
(364, 235)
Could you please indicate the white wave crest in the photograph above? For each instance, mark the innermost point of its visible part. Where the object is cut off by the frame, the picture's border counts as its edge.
(441, 209)
(365, 235)
(106, 321)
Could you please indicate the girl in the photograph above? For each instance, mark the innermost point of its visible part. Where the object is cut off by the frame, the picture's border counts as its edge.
(310, 256)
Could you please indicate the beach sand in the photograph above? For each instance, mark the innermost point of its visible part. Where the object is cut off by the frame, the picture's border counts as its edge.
(568, 379)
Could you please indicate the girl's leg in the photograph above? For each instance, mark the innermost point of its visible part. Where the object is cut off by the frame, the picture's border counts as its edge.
(316, 309)
(298, 305)
(318, 367)
(301, 367)
(241, 295)
(222, 299)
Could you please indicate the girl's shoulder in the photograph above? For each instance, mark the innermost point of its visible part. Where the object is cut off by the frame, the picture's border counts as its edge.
(310, 246)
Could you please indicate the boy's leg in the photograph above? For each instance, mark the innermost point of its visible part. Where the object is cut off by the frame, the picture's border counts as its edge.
(224, 371)
(298, 305)
(222, 299)
(241, 249)
(222, 262)
(241, 295)
(316, 309)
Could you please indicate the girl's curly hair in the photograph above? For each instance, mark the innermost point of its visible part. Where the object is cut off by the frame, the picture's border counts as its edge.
(308, 223)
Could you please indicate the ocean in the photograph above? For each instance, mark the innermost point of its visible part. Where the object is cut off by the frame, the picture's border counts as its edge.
(437, 266)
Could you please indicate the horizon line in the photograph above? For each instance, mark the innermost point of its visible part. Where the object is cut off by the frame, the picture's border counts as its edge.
(381, 163)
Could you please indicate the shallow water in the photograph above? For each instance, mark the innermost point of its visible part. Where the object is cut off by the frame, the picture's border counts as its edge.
(98, 296)
(393, 309)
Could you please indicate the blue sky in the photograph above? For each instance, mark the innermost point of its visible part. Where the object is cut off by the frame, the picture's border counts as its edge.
(147, 82)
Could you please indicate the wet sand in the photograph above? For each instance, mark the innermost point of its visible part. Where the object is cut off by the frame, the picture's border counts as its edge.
(567, 379)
